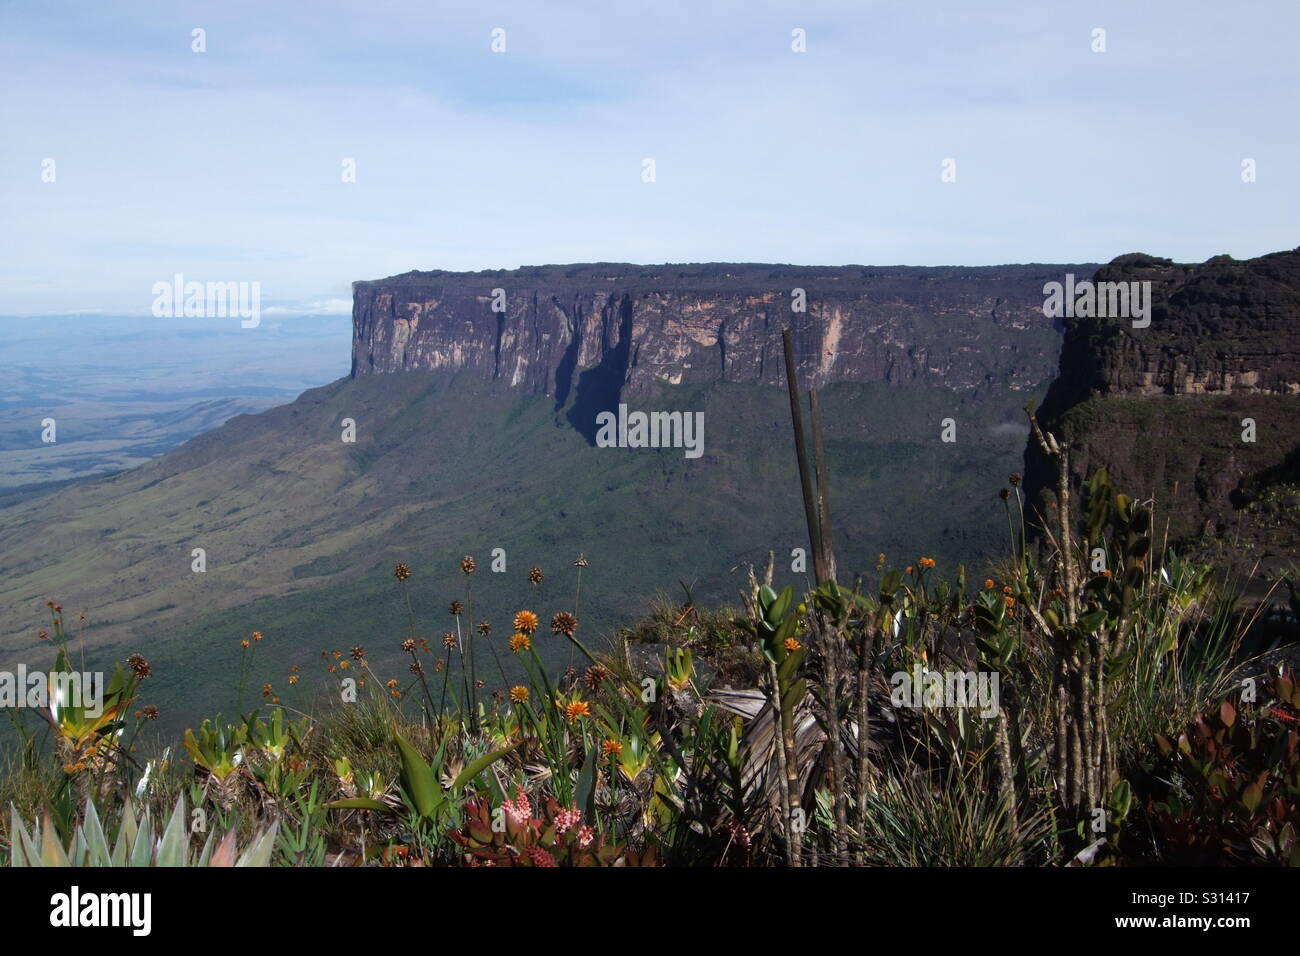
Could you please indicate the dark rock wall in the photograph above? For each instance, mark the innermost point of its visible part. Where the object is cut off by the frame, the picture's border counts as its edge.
(1162, 407)
(633, 327)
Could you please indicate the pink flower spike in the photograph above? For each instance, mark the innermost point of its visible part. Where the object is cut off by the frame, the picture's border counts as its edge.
(566, 820)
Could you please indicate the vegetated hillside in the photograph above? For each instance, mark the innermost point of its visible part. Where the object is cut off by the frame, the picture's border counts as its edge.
(301, 530)
(1164, 408)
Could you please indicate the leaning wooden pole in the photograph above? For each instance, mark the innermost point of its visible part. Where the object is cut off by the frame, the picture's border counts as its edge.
(801, 453)
(823, 495)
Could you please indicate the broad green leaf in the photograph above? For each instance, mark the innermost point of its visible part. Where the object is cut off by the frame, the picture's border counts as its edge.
(1090, 622)
(478, 766)
(586, 795)
(51, 850)
(93, 832)
(205, 856)
(259, 854)
(358, 803)
(173, 848)
(21, 848)
(142, 852)
(419, 779)
(781, 605)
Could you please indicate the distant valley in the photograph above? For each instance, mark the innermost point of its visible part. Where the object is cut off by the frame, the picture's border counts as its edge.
(124, 389)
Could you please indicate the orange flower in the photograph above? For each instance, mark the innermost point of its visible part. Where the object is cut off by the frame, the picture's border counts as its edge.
(526, 621)
(909, 569)
(519, 693)
(927, 562)
(792, 644)
(577, 709)
(988, 582)
(1011, 602)
(391, 683)
(293, 678)
(257, 635)
(611, 748)
(1007, 589)
(520, 642)
(243, 643)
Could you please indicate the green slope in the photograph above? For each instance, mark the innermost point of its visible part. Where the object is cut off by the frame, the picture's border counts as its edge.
(302, 530)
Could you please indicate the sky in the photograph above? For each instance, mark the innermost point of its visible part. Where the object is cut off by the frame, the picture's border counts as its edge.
(228, 164)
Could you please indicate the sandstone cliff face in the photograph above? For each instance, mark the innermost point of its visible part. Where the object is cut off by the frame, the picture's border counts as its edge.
(1163, 407)
(1223, 327)
(633, 328)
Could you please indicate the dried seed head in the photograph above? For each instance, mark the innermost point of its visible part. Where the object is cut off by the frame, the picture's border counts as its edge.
(564, 623)
(138, 664)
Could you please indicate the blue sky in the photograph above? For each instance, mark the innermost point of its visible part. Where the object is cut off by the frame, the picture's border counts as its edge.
(225, 165)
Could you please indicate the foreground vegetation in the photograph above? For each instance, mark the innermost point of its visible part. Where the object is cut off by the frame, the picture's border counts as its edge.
(1084, 704)
(768, 734)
